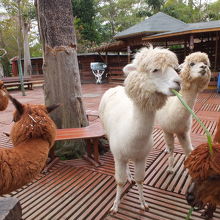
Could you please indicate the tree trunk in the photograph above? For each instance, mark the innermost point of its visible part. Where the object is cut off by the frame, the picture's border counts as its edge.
(27, 57)
(61, 72)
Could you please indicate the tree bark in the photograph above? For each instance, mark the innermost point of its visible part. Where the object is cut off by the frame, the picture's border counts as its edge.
(60, 67)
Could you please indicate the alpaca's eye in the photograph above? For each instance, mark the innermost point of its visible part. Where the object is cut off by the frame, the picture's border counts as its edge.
(177, 70)
(192, 64)
(155, 70)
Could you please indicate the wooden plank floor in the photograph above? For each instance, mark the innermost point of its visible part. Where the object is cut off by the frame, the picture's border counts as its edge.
(75, 189)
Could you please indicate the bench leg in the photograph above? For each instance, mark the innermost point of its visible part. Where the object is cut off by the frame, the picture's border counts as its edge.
(95, 158)
(89, 148)
(96, 149)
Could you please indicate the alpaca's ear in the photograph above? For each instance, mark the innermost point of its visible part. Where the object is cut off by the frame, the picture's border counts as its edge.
(19, 107)
(179, 68)
(129, 68)
(52, 107)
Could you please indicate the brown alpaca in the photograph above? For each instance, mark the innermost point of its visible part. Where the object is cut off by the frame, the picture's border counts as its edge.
(32, 136)
(3, 97)
(204, 168)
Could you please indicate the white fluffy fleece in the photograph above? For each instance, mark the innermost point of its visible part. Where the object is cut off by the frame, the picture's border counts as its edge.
(173, 118)
(128, 112)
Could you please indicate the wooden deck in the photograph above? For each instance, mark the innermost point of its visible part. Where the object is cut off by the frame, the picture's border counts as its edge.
(75, 189)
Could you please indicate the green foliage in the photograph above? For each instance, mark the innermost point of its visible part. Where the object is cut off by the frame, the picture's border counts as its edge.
(155, 5)
(9, 31)
(86, 30)
(97, 21)
(194, 11)
(213, 11)
(117, 15)
(8, 36)
(36, 50)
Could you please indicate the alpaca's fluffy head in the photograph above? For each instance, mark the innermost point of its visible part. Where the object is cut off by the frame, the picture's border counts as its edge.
(195, 71)
(204, 169)
(151, 77)
(32, 122)
(3, 97)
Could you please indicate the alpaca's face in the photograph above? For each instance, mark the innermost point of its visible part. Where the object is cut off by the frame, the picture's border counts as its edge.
(153, 69)
(161, 80)
(165, 80)
(198, 69)
(196, 66)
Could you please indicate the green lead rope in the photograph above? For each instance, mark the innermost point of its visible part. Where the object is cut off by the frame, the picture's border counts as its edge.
(208, 135)
(189, 213)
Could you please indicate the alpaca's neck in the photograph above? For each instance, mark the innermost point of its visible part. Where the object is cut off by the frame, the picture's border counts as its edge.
(189, 95)
(23, 163)
(143, 120)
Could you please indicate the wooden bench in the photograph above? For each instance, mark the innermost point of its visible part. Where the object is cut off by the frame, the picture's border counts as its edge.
(15, 82)
(91, 134)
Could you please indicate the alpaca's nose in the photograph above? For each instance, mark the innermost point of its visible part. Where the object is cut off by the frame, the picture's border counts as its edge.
(178, 81)
(203, 66)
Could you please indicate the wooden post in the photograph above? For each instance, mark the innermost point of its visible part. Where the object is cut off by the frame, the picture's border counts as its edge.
(191, 43)
(185, 47)
(106, 57)
(216, 51)
(129, 54)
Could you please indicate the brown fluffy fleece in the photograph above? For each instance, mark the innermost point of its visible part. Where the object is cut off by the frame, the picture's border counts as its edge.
(32, 135)
(3, 97)
(204, 168)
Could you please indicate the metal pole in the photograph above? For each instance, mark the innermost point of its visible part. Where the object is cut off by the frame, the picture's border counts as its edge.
(21, 76)
(19, 49)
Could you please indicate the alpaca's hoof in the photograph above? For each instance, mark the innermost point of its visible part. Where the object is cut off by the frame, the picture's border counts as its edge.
(170, 170)
(145, 207)
(114, 209)
(167, 150)
(131, 179)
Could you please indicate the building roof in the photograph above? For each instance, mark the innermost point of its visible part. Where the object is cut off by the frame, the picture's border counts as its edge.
(189, 28)
(157, 26)
(157, 23)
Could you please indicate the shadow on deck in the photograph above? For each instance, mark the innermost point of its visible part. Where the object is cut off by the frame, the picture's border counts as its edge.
(77, 190)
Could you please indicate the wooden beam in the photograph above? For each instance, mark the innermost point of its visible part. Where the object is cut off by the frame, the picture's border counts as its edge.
(216, 50)
(101, 57)
(181, 33)
(129, 54)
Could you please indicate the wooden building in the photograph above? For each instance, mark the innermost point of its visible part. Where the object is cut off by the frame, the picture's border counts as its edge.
(164, 30)
(115, 63)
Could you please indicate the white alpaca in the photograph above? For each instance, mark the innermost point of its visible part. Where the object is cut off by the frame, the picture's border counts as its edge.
(127, 113)
(173, 117)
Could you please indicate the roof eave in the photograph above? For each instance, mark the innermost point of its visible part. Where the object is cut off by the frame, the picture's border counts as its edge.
(182, 33)
(136, 34)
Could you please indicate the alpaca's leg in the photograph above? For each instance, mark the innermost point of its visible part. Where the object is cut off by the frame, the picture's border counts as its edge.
(121, 178)
(185, 142)
(169, 139)
(139, 179)
(130, 177)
